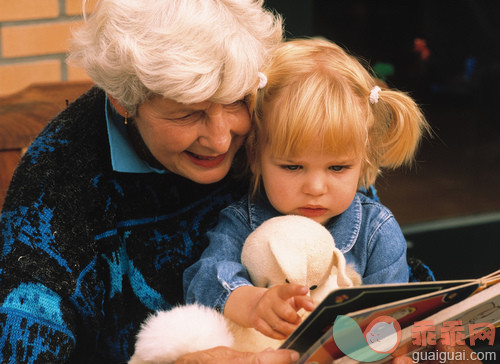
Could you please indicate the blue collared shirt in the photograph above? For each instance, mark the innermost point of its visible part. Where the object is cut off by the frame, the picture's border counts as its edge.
(123, 156)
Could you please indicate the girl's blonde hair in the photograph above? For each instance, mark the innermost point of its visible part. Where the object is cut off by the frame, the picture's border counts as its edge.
(187, 51)
(318, 93)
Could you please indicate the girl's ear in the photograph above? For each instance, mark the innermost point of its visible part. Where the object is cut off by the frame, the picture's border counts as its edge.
(121, 109)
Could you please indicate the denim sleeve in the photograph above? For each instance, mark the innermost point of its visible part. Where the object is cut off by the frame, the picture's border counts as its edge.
(386, 254)
(219, 271)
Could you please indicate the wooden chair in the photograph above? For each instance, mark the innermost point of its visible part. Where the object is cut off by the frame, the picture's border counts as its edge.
(24, 114)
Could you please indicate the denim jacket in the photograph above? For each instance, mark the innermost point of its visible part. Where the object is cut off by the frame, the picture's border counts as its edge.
(366, 233)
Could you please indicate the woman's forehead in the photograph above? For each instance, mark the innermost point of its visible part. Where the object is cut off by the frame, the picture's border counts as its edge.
(162, 103)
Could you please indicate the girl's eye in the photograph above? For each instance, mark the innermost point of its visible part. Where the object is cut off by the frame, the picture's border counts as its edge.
(286, 280)
(337, 168)
(290, 167)
(312, 288)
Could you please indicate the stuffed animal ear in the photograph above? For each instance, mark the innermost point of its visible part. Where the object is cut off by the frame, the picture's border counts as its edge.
(339, 262)
(291, 260)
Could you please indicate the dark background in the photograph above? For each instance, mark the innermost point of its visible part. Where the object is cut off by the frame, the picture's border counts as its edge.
(448, 204)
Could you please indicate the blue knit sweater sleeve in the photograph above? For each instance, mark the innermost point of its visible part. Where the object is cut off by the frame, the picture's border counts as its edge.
(42, 282)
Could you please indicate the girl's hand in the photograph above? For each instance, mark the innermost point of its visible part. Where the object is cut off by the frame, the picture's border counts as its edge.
(275, 313)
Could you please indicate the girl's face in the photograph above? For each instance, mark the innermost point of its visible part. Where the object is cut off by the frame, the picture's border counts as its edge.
(315, 184)
(196, 141)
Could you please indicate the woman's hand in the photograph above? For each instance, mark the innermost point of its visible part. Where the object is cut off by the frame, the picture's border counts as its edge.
(225, 355)
(448, 353)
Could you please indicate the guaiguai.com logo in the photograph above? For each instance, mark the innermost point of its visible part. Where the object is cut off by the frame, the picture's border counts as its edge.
(380, 338)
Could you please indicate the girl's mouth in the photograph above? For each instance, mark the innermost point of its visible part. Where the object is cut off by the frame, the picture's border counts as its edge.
(312, 211)
(205, 161)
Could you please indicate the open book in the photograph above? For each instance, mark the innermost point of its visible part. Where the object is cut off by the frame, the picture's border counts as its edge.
(357, 308)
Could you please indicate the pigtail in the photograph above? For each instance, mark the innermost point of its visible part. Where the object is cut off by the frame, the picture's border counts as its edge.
(399, 125)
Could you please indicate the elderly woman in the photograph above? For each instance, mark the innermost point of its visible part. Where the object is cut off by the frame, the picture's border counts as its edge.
(112, 201)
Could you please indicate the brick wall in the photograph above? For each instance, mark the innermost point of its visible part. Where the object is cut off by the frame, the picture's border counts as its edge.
(34, 36)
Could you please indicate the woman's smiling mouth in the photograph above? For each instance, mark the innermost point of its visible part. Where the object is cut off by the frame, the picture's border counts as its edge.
(205, 161)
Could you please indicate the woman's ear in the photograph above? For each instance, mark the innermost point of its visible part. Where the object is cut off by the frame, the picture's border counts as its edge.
(252, 166)
(118, 107)
(250, 156)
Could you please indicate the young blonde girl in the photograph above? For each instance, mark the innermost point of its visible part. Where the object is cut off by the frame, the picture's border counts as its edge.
(323, 129)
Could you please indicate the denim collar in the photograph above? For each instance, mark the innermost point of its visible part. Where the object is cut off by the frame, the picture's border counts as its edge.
(123, 156)
(345, 227)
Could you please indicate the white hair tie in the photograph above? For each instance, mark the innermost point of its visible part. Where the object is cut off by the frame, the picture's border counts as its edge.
(374, 94)
(262, 80)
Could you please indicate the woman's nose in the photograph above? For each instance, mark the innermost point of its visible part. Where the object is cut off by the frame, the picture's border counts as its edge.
(217, 133)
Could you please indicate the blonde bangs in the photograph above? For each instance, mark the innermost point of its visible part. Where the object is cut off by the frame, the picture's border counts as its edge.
(315, 111)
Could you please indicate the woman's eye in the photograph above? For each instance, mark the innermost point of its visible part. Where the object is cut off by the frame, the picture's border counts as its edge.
(312, 288)
(286, 280)
(188, 118)
(236, 105)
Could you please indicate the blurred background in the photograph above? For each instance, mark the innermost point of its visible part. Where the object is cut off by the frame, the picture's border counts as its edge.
(445, 53)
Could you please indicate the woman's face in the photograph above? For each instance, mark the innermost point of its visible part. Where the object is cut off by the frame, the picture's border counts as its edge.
(197, 141)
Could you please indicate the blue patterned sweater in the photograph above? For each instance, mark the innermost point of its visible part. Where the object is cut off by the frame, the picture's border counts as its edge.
(87, 253)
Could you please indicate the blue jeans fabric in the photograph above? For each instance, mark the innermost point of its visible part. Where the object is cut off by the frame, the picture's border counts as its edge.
(366, 233)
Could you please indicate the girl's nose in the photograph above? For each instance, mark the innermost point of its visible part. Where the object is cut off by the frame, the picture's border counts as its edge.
(315, 184)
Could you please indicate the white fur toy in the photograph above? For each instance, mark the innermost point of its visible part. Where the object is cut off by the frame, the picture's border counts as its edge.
(288, 248)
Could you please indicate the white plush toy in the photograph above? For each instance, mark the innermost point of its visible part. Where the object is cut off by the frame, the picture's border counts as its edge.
(288, 248)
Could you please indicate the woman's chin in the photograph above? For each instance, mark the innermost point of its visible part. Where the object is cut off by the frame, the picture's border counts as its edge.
(207, 175)
(200, 171)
